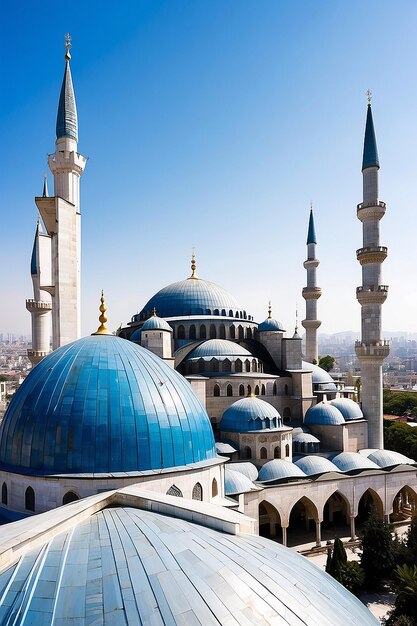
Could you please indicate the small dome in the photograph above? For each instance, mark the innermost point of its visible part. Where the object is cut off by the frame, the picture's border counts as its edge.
(270, 324)
(104, 405)
(218, 348)
(135, 336)
(300, 429)
(250, 414)
(279, 468)
(304, 438)
(312, 465)
(389, 458)
(351, 461)
(348, 408)
(247, 469)
(320, 376)
(324, 413)
(156, 323)
(235, 482)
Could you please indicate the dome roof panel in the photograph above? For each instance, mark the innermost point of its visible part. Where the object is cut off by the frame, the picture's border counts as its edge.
(235, 482)
(323, 413)
(270, 324)
(319, 375)
(350, 461)
(250, 414)
(389, 458)
(104, 405)
(248, 469)
(279, 468)
(305, 438)
(218, 348)
(156, 323)
(348, 408)
(312, 465)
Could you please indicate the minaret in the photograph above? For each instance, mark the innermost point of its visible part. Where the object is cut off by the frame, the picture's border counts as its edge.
(311, 294)
(371, 350)
(61, 216)
(40, 305)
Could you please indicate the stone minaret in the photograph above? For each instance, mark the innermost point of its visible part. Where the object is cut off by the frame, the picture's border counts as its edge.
(311, 294)
(40, 305)
(61, 216)
(371, 350)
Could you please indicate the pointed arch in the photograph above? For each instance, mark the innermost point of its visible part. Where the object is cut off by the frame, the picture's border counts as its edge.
(368, 501)
(216, 391)
(174, 491)
(247, 453)
(263, 390)
(214, 488)
(232, 332)
(70, 496)
(192, 332)
(197, 492)
(30, 499)
(402, 503)
(222, 331)
(238, 366)
(277, 452)
(336, 510)
(4, 494)
(229, 390)
(274, 389)
(241, 390)
(181, 332)
(203, 331)
(213, 333)
(257, 390)
(269, 519)
(263, 453)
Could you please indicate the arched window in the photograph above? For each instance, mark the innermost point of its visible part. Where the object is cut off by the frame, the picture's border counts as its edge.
(197, 492)
(192, 333)
(247, 453)
(249, 390)
(70, 496)
(286, 390)
(201, 365)
(263, 453)
(241, 390)
(277, 452)
(30, 499)
(240, 332)
(214, 365)
(263, 390)
(229, 391)
(287, 450)
(257, 390)
(181, 332)
(214, 488)
(249, 333)
(203, 332)
(287, 414)
(247, 365)
(230, 313)
(224, 312)
(226, 366)
(222, 331)
(216, 391)
(174, 491)
(232, 331)
(254, 366)
(212, 331)
(216, 312)
(274, 389)
(238, 365)
(4, 498)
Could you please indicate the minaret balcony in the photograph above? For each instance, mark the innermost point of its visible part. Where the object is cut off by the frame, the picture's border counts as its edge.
(371, 254)
(372, 295)
(39, 306)
(314, 324)
(311, 263)
(367, 210)
(311, 293)
(376, 351)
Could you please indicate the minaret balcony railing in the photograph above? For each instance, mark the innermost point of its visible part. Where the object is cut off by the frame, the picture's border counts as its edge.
(364, 205)
(376, 350)
(372, 295)
(38, 305)
(311, 293)
(374, 210)
(371, 254)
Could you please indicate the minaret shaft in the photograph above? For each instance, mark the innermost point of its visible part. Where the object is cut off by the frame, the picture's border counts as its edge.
(371, 350)
(311, 294)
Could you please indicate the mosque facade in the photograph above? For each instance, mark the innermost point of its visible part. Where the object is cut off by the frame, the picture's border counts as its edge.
(193, 411)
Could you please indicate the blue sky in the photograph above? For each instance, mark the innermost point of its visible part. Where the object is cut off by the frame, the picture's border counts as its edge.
(214, 124)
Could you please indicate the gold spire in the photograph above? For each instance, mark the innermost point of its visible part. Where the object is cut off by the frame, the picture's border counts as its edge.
(269, 310)
(68, 45)
(102, 329)
(193, 266)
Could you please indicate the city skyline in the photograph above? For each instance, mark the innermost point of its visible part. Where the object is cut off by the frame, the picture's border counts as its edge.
(215, 127)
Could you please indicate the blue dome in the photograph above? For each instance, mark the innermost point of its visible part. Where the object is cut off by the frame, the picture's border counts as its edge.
(270, 324)
(218, 348)
(279, 468)
(104, 405)
(249, 414)
(389, 458)
(312, 465)
(247, 469)
(348, 408)
(304, 438)
(235, 482)
(324, 413)
(192, 296)
(135, 336)
(320, 376)
(156, 323)
(353, 461)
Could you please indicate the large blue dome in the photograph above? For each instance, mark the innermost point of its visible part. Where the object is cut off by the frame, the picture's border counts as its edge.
(104, 405)
(192, 296)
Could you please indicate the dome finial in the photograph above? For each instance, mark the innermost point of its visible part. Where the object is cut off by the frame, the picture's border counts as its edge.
(269, 310)
(369, 96)
(193, 265)
(68, 45)
(154, 311)
(45, 193)
(102, 329)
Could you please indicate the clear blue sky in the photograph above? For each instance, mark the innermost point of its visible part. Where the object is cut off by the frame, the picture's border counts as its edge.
(213, 124)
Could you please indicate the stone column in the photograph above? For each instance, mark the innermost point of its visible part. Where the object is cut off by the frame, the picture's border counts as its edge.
(284, 535)
(352, 528)
(318, 533)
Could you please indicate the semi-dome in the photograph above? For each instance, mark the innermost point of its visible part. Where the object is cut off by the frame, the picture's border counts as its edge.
(320, 376)
(312, 465)
(136, 335)
(279, 468)
(348, 408)
(324, 413)
(353, 461)
(103, 405)
(304, 438)
(250, 414)
(235, 483)
(218, 348)
(246, 468)
(389, 458)
(156, 323)
(142, 567)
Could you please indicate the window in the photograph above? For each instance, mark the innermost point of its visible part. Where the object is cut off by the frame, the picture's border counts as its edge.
(197, 492)
(238, 365)
(240, 332)
(274, 389)
(263, 453)
(203, 332)
(216, 312)
(181, 332)
(249, 333)
(247, 365)
(4, 494)
(216, 391)
(286, 390)
(229, 391)
(247, 453)
(232, 331)
(30, 499)
(222, 331)
(257, 390)
(192, 334)
(287, 450)
(214, 488)
(174, 491)
(277, 452)
(212, 331)
(254, 366)
(241, 390)
(70, 496)
(263, 390)
(249, 390)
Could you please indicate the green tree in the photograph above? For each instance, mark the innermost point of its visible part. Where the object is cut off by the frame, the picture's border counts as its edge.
(405, 583)
(338, 559)
(352, 577)
(326, 362)
(378, 552)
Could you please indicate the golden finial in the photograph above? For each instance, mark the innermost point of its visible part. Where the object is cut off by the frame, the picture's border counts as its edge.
(102, 329)
(269, 310)
(154, 311)
(68, 45)
(369, 95)
(193, 265)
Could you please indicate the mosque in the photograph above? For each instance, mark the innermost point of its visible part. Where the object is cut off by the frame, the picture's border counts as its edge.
(154, 458)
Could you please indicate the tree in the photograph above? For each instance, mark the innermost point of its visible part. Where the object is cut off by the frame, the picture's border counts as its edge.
(352, 577)
(338, 559)
(405, 583)
(326, 362)
(378, 557)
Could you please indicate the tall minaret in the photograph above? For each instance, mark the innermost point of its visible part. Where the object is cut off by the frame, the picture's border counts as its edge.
(371, 350)
(311, 294)
(61, 216)
(40, 305)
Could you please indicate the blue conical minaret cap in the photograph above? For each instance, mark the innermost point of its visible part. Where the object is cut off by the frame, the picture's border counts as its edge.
(311, 236)
(370, 151)
(66, 120)
(34, 260)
